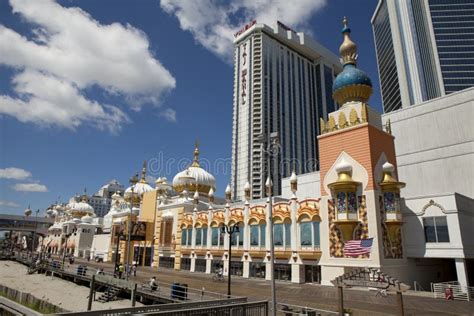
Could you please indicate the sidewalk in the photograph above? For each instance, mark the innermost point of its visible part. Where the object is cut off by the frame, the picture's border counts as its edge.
(362, 302)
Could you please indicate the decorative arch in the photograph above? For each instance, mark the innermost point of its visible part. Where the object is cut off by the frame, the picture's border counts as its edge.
(218, 216)
(236, 215)
(255, 221)
(201, 219)
(282, 210)
(216, 223)
(309, 208)
(188, 220)
(257, 214)
(431, 203)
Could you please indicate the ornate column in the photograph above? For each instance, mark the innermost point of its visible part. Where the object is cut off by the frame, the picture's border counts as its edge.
(246, 258)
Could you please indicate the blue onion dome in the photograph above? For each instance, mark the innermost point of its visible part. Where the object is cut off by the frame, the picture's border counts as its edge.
(352, 84)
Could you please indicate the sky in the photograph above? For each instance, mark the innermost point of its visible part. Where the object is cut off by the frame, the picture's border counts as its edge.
(90, 89)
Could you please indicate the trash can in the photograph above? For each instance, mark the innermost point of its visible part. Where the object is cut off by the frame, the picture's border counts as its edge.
(175, 290)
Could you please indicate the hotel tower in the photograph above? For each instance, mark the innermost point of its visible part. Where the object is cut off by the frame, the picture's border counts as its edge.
(282, 84)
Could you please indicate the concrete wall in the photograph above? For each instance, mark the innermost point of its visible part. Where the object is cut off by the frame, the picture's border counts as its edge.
(434, 144)
(308, 186)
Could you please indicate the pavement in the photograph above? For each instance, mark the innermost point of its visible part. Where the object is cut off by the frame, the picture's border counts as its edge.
(360, 301)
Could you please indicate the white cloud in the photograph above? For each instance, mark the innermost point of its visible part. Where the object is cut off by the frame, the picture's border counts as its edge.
(14, 173)
(213, 24)
(30, 187)
(70, 52)
(48, 100)
(169, 115)
(8, 203)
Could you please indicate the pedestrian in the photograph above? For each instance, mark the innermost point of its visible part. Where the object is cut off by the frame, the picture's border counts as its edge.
(153, 284)
(120, 270)
(134, 270)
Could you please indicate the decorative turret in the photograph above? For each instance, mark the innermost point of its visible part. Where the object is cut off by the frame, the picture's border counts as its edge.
(352, 84)
(345, 191)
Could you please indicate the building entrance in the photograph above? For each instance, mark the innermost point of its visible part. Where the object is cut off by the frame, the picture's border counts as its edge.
(257, 270)
(312, 274)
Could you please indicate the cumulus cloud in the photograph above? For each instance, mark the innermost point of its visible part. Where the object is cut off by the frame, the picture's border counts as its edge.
(8, 203)
(169, 115)
(30, 187)
(14, 173)
(70, 52)
(213, 24)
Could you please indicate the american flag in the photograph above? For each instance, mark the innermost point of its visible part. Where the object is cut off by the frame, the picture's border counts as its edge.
(354, 248)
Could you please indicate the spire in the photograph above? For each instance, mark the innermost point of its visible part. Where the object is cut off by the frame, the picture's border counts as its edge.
(196, 154)
(348, 49)
(143, 178)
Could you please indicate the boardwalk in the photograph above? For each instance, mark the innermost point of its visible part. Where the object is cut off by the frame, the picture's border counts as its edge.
(360, 301)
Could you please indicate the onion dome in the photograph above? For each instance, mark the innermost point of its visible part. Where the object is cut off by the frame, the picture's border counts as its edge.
(352, 84)
(82, 208)
(139, 188)
(28, 211)
(86, 219)
(194, 178)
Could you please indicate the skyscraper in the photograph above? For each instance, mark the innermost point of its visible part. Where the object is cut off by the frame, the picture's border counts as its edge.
(425, 49)
(282, 83)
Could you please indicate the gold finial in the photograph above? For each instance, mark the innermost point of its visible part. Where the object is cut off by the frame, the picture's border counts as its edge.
(196, 154)
(143, 178)
(348, 49)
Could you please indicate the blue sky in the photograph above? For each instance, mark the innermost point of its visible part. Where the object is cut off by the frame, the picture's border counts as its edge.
(89, 89)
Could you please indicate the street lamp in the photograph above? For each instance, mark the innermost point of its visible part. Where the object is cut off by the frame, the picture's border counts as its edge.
(119, 237)
(65, 246)
(34, 233)
(272, 150)
(229, 230)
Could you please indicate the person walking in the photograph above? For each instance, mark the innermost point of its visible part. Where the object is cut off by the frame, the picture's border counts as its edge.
(120, 270)
(134, 270)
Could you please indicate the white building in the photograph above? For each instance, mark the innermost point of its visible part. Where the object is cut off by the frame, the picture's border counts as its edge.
(282, 83)
(101, 200)
(425, 49)
(434, 142)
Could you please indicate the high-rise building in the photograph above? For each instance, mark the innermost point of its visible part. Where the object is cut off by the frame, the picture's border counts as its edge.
(282, 83)
(102, 199)
(425, 49)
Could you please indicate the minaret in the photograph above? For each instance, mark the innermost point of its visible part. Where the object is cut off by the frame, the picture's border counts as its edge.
(358, 181)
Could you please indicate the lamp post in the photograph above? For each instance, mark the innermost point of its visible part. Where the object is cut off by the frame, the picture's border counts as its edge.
(229, 230)
(272, 149)
(34, 232)
(119, 237)
(65, 247)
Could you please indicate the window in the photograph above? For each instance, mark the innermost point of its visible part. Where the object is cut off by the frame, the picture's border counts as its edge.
(257, 235)
(238, 237)
(198, 237)
(282, 235)
(436, 229)
(217, 238)
(346, 202)
(184, 234)
(309, 234)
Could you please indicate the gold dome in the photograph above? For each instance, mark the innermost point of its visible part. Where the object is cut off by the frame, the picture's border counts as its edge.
(348, 49)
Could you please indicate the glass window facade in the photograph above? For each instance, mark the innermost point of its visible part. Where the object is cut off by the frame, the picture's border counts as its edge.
(309, 234)
(453, 27)
(388, 74)
(436, 229)
(282, 235)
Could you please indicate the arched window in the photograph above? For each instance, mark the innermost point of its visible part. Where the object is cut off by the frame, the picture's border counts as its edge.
(282, 232)
(309, 232)
(217, 238)
(201, 236)
(186, 236)
(238, 238)
(257, 233)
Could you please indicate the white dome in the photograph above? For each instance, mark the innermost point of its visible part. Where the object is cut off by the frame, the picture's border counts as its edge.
(203, 179)
(388, 167)
(82, 207)
(86, 219)
(343, 166)
(138, 189)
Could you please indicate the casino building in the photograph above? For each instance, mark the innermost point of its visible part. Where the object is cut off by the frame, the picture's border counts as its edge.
(354, 196)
